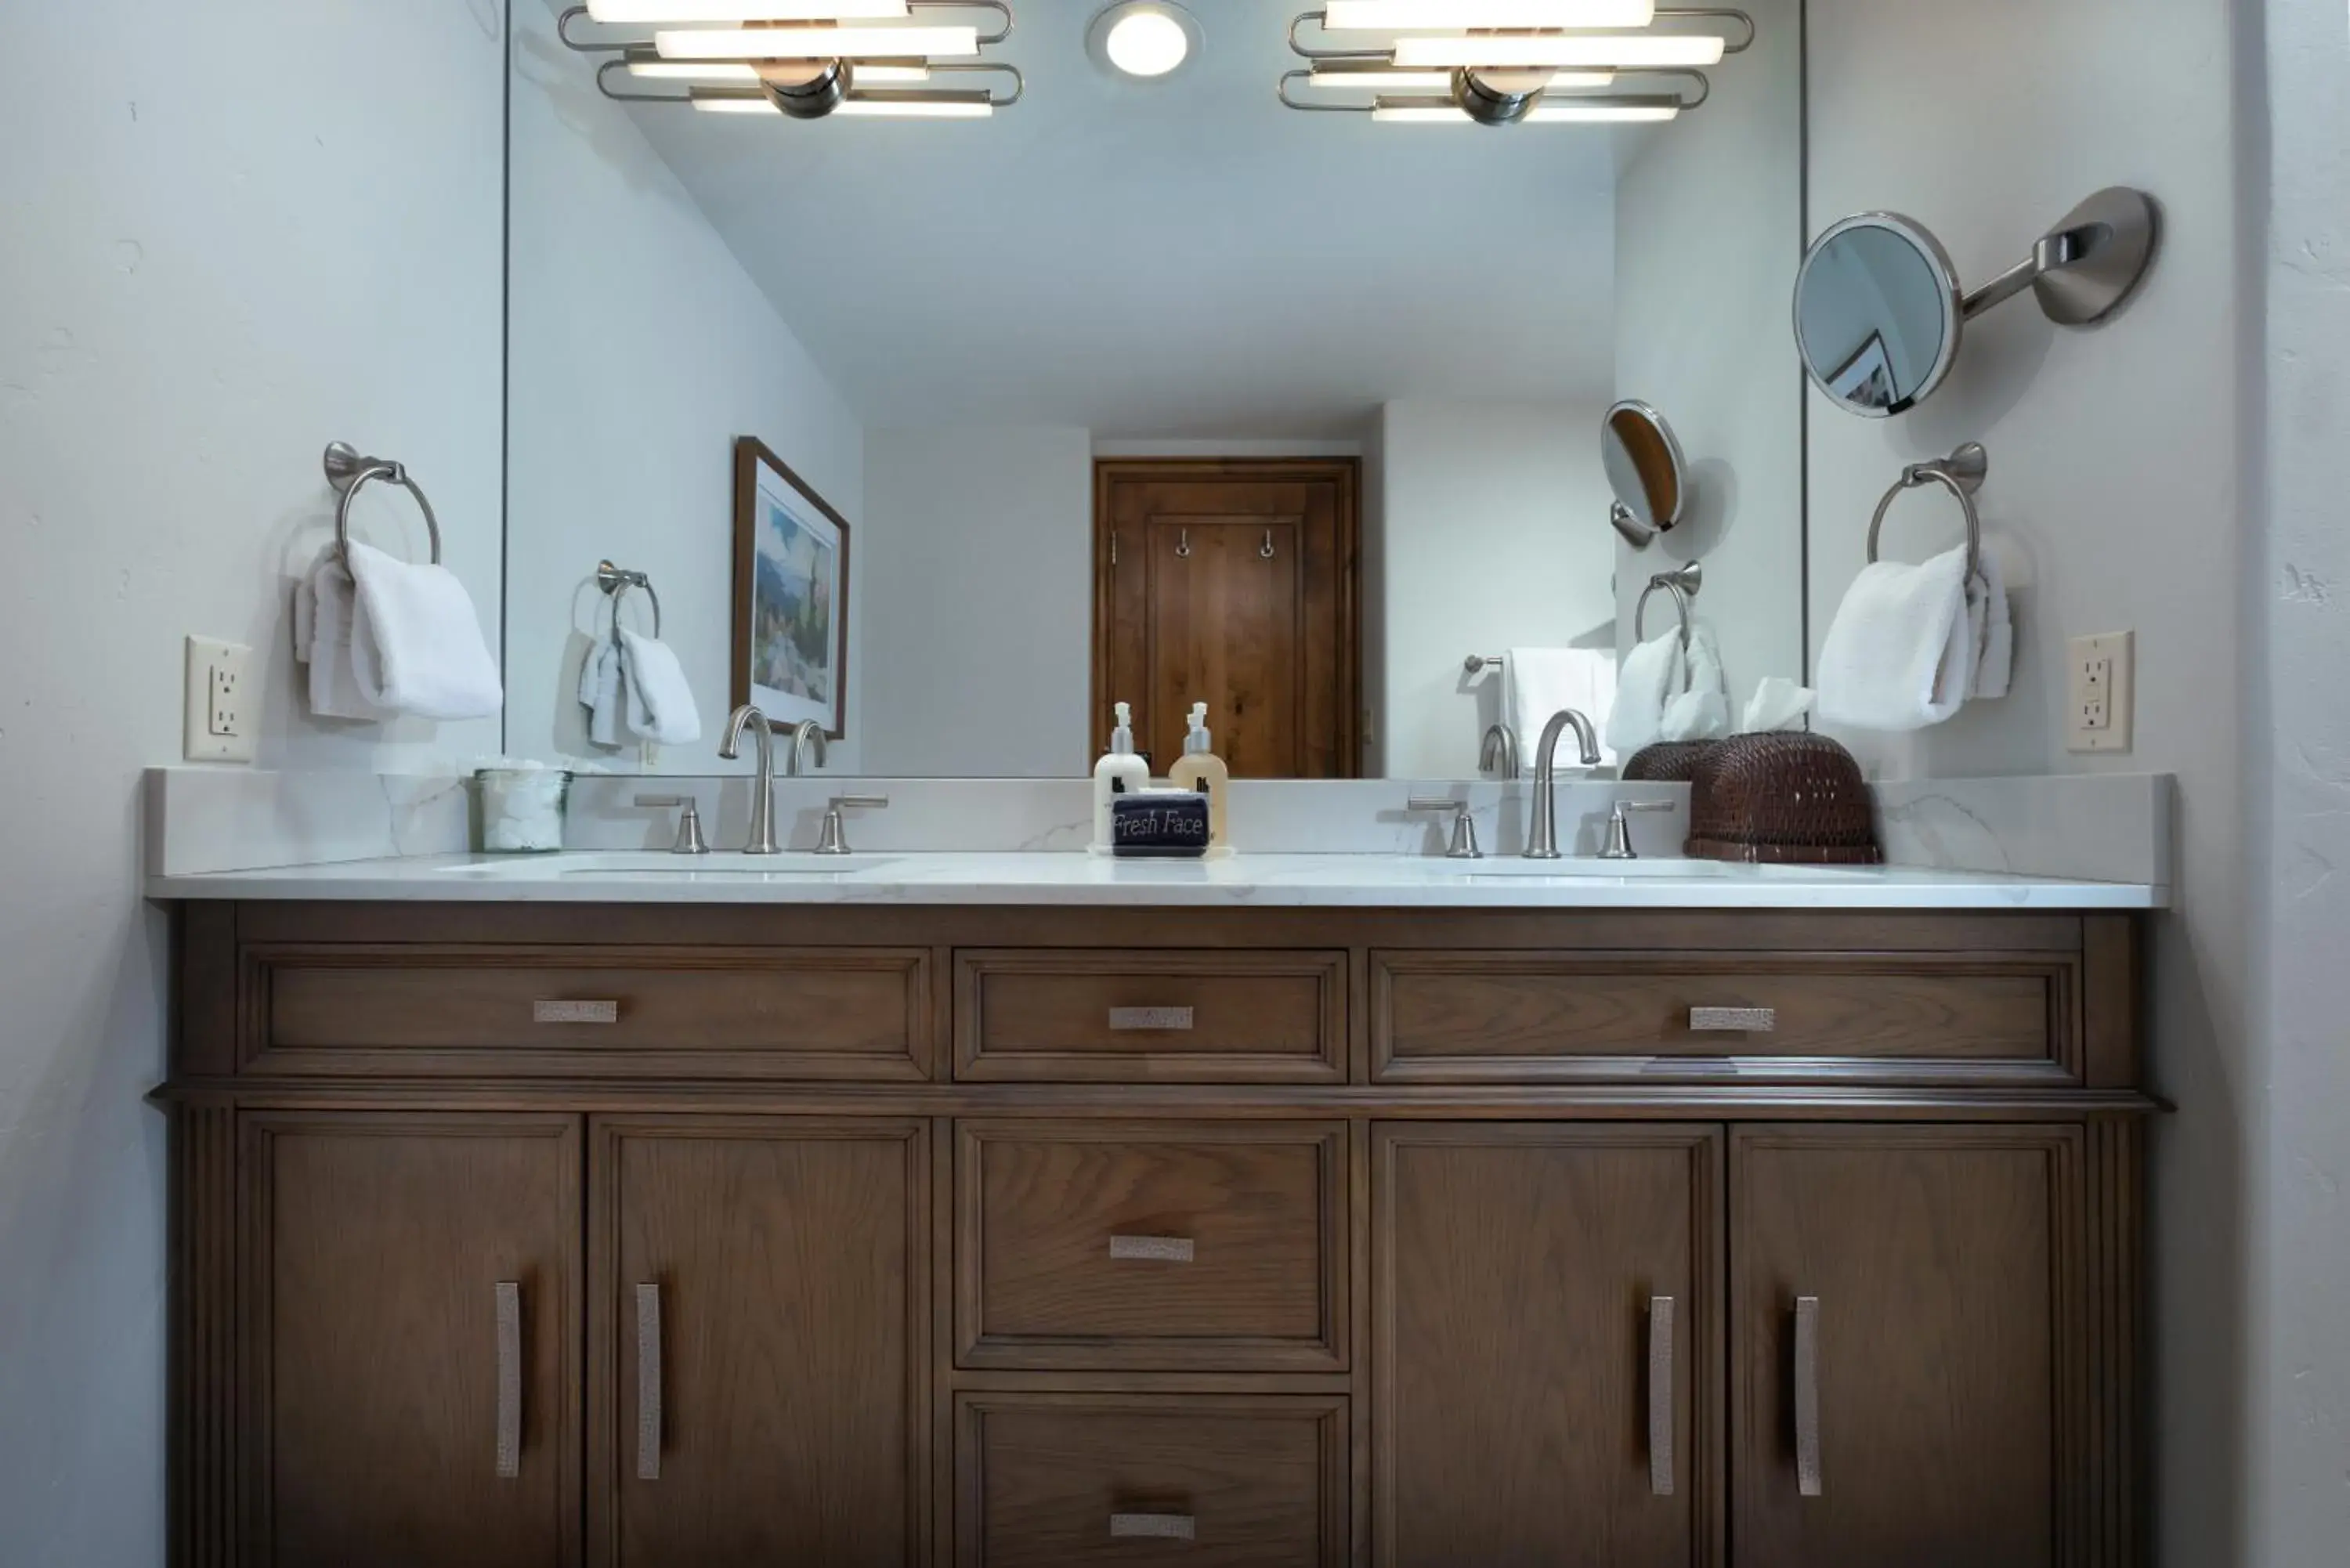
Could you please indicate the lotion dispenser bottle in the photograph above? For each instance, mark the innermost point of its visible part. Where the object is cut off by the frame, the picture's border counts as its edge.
(1201, 769)
(1121, 772)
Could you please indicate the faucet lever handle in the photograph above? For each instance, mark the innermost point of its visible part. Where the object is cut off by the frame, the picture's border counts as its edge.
(1620, 827)
(689, 822)
(834, 839)
(1464, 845)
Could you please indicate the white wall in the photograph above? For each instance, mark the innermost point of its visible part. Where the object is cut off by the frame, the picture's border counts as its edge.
(1492, 533)
(2115, 492)
(2299, 759)
(979, 573)
(639, 350)
(230, 242)
(1709, 233)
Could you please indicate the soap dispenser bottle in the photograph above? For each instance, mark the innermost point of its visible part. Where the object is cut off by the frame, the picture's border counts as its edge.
(1119, 772)
(1200, 769)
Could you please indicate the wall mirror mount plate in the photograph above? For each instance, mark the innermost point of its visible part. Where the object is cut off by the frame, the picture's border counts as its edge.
(1646, 469)
(1879, 310)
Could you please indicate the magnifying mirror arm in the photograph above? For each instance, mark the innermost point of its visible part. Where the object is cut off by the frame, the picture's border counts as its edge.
(2054, 253)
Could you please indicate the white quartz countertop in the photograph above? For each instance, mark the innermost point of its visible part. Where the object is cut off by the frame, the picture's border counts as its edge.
(1267, 881)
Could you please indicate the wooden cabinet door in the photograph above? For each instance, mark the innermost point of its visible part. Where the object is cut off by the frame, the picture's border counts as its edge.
(758, 1336)
(411, 1311)
(1900, 1312)
(1547, 1321)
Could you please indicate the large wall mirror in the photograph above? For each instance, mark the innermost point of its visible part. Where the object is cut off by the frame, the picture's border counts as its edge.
(1142, 388)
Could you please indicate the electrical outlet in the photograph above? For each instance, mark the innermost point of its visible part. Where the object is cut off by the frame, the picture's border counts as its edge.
(223, 709)
(2098, 693)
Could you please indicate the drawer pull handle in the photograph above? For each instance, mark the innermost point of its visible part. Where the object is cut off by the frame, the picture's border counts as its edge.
(1163, 1019)
(574, 1013)
(1807, 1395)
(1153, 1527)
(509, 1300)
(649, 1383)
(1152, 1249)
(1660, 1396)
(1733, 1020)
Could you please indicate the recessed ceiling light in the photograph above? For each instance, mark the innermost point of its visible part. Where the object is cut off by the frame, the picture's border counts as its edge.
(1147, 38)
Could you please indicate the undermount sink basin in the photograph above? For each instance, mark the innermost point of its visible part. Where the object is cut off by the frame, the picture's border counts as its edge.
(653, 864)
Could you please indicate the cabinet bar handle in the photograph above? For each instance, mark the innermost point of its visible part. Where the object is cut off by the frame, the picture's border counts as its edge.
(649, 1383)
(1164, 1020)
(1153, 1527)
(574, 1013)
(1807, 1395)
(509, 1296)
(1660, 1396)
(1152, 1249)
(1733, 1020)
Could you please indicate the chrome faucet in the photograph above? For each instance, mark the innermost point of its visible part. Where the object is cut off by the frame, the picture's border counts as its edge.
(1542, 833)
(804, 732)
(762, 793)
(1500, 750)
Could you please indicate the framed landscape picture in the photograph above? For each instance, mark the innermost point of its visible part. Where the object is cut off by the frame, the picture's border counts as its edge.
(791, 594)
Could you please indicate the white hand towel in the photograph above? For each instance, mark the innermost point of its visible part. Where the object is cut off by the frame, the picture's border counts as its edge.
(661, 704)
(1993, 626)
(324, 608)
(1651, 674)
(1778, 703)
(1701, 713)
(600, 692)
(1901, 653)
(416, 643)
(1536, 683)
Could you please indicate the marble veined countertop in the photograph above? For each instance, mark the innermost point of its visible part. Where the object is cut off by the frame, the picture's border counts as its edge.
(1263, 882)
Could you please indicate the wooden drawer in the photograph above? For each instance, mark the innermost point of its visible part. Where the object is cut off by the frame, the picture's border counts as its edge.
(1065, 1481)
(1150, 1246)
(1201, 1017)
(1470, 1017)
(861, 1013)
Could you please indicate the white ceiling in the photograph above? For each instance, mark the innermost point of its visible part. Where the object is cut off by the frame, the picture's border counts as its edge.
(1183, 258)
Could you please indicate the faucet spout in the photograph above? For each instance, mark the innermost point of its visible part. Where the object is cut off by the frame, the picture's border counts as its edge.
(1541, 832)
(806, 731)
(1500, 751)
(762, 791)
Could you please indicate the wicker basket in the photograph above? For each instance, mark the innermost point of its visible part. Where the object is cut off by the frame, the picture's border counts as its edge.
(1667, 762)
(1782, 799)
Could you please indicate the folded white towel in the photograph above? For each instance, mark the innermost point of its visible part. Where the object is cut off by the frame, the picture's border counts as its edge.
(1992, 625)
(1536, 683)
(1651, 675)
(1778, 703)
(324, 608)
(600, 692)
(1901, 653)
(1702, 711)
(416, 643)
(661, 704)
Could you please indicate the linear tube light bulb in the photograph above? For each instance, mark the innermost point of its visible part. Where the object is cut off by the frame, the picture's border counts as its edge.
(815, 43)
(718, 71)
(1435, 111)
(1427, 15)
(1635, 51)
(1370, 78)
(640, 13)
(917, 106)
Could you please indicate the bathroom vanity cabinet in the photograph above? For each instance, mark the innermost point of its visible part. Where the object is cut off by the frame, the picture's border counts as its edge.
(522, 1234)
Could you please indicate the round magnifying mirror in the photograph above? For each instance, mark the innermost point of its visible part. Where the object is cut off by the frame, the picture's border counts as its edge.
(1877, 314)
(1646, 469)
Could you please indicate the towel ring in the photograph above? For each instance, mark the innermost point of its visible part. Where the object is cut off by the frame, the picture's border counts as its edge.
(349, 473)
(615, 585)
(1961, 474)
(1684, 586)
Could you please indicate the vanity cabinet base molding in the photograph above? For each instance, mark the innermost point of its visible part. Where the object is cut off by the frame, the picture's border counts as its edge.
(1276, 1239)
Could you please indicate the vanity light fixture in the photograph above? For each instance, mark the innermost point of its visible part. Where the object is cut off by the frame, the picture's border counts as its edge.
(1504, 62)
(802, 59)
(1150, 39)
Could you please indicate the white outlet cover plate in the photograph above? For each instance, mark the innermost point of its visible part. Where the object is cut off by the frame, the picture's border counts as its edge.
(2115, 651)
(222, 707)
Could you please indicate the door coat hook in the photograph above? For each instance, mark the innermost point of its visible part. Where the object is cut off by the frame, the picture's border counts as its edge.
(1183, 543)
(1267, 550)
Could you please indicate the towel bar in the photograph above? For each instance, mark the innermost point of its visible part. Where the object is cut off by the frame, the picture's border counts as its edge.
(615, 585)
(349, 473)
